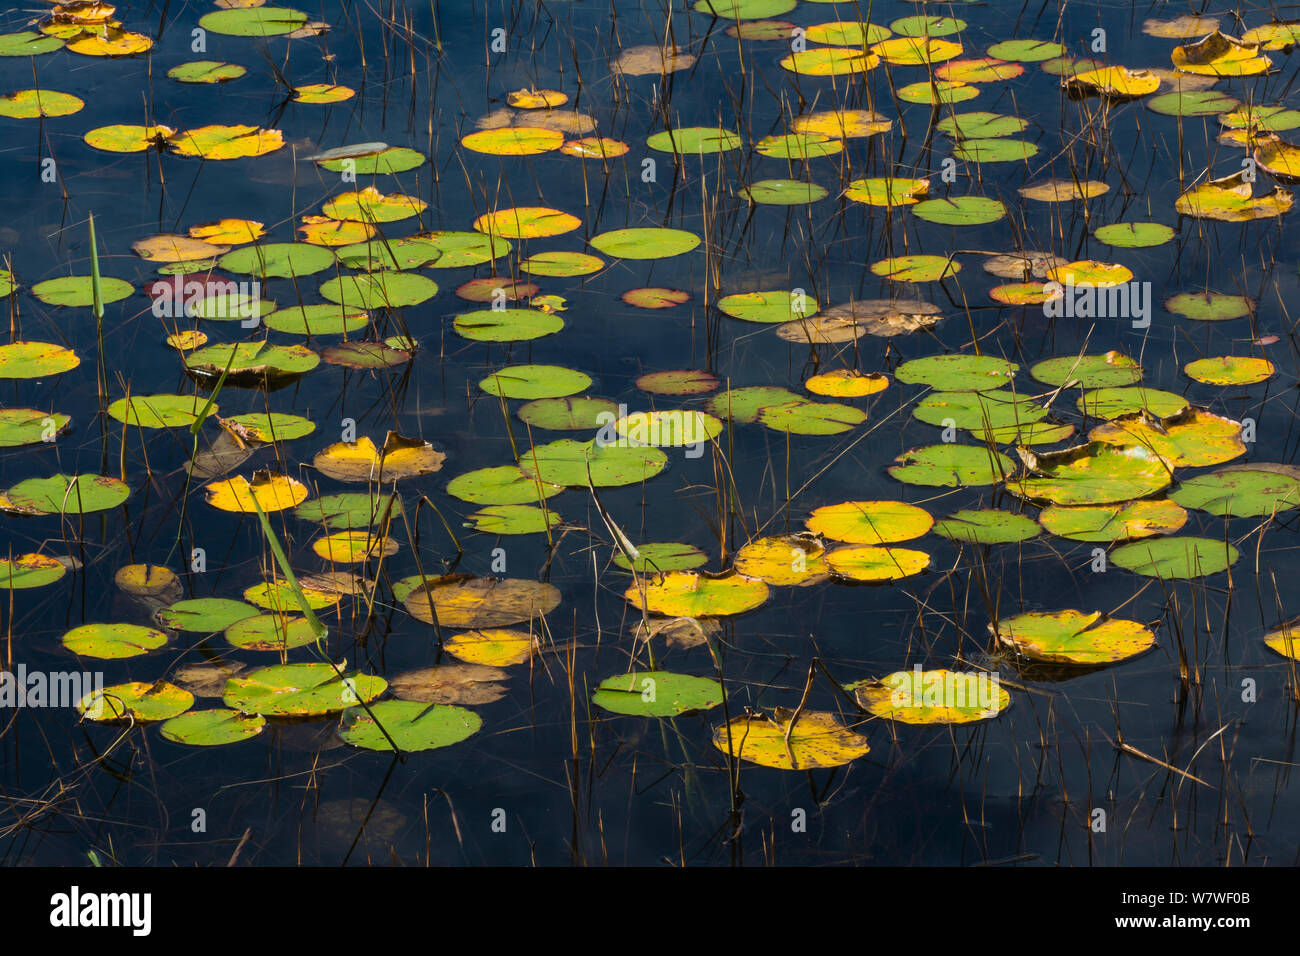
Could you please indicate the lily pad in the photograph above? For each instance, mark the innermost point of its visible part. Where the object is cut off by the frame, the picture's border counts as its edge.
(656, 694)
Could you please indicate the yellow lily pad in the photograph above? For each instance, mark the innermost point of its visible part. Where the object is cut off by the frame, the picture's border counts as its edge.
(696, 594)
(870, 522)
(814, 741)
(933, 697)
(361, 461)
(270, 491)
(1074, 637)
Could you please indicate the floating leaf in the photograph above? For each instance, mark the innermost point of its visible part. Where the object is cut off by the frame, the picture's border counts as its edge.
(887, 191)
(570, 462)
(951, 465)
(360, 460)
(1111, 403)
(847, 383)
(932, 697)
(66, 494)
(779, 306)
(470, 602)
(870, 522)
(1191, 102)
(807, 740)
(137, 702)
(226, 142)
(253, 21)
(1175, 557)
(989, 526)
(267, 491)
(645, 243)
(696, 594)
(300, 690)
(271, 632)
(30, 571)
(1092, 474)
(1220, 55)
(494, 647)
(1193, 438)
(206, 72)
(1230, 370)
(678, 382)
(258, 427)
(994, 408)
(79, 292)
(656, 694)
(160, 411)
(412, 725)
(1134, 235)
(380, 290)
(514, 141)
(562, 264)
(349, 510)
(28, 426)
(281, 260)
(1027, 51)
(980, 125)
(1127, 521)
(506, 325)
(831, 61)
(1074, 637)
(985, 69)
(212, 728)
(958, 372)
(34, 104)
(1208, 306)
(1113, 82)
(535, 381)
(916, 268)
(1238, 491)
(694, 140)
(937, 92)
(204, 615)
(788, 559)
(1232, 199)
(875, 565)
(996, 150)
(744, 404)
(659, 556)
(370, 205)
(846, 123)
(800, 417)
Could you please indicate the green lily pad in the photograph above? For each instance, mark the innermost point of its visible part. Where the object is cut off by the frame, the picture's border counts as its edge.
(253, 21)
(79, 291)
(29, 426)
(206, 71)
(300, 690)
(160, 411)
(503, 485)
(802, 417)
(28, 43)
(413, 726)
(994, 408)
(656, 694)
(379, 290)
(1209, 306)
(204, 615)
(35, 360)
(566, 462)
(66, 494)
(1075, 637)
(1109, 370)
(30, 571)
(1193, 103)
(951, 465)
(1241, 491)
(348, 511)
(318, 319)
(270, 632)
(998, 150)
(779, 306)
(1135, 235)
(535, 381)
(692, 140)
(276, 426)
(394, 159)
(1094, 474)
(279, 260)
(960, 211)
(1111, 403)
(581, 413)
(956, 373)
(987, 526)
(113, 641)
(1127, 521)
(657, 557)
(645, 243)
(981, 125)
(783, 192)
(506, 325)
(745, 404)
(1026, 51)
(1176, 557)
(212, 728)
(138, 702)
(251, 361)
(513, 519)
